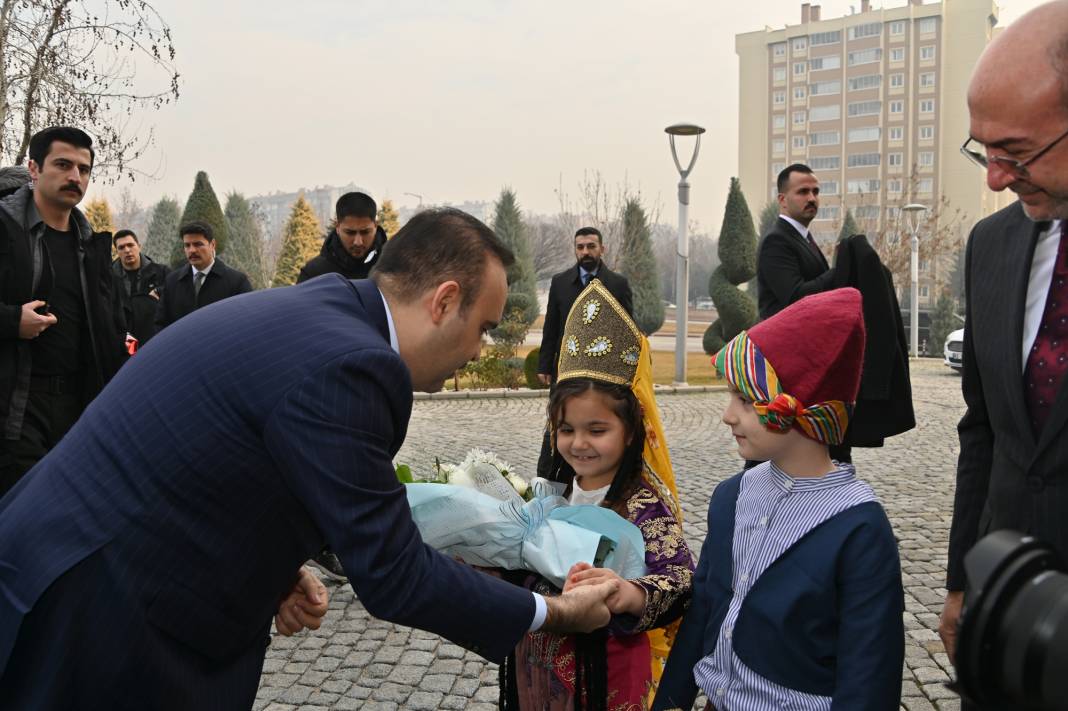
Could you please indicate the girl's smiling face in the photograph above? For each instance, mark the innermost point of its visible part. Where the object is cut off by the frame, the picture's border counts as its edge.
(592, 438)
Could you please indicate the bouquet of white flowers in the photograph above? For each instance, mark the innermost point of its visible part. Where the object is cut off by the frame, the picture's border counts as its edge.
(480, 516)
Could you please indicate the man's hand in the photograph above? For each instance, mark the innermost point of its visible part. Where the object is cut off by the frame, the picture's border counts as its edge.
(545, 379)
(154, 294)
(630, 599)
(947, 625)
(33, 324)
(582, 609)
(304, 607)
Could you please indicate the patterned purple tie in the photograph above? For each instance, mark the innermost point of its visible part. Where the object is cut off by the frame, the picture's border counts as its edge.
(815, 247)
(1048, 361)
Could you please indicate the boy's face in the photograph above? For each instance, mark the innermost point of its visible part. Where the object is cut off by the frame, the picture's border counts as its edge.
(755, 441)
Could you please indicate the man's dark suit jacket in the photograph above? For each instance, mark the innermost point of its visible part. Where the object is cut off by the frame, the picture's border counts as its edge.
(177, 299)
(788, 269)
(145, 556)
(564, 289)
(1007, 476)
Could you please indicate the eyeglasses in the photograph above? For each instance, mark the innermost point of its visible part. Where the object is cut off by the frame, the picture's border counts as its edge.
(1015, 167)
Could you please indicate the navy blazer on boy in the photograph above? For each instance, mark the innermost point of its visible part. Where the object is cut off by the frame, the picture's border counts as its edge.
(824, 618)
(142, 561)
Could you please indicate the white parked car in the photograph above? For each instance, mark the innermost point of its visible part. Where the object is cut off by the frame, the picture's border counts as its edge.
(704, 303)
(954, 350)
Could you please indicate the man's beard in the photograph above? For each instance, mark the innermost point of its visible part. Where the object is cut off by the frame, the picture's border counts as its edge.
(589, 263)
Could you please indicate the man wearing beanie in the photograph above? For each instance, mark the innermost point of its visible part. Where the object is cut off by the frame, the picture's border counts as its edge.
(797, 598)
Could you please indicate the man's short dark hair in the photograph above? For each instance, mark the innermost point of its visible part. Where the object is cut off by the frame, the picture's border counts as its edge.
(355, 205)
(784, 175)
(587, 231)
(41, 142)
(196, 228)
(438, 245)
(124, 233)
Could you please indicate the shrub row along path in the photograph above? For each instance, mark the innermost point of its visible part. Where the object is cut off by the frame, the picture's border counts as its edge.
(357, 662)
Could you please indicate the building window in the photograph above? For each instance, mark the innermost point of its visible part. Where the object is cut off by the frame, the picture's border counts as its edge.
(927, 106)
(831, 112)
(778, 98)
(799, 118)
(800, 44)
(865, 108)
(893, 186)
(927, 80)
(868, 81)
(924, 265)
(778, 121)
(897, 81)
(927, 52)
(897, 133)
(778, 73)
(798, 141)
(799, 68)
(831, 61)
(927, 25)
(819, 38)
(897, 107)
(822, 88)
(926, 133)
(828, 212)
(926, 159)
(776, 168)
(897, 54)
(825, 163)
(863, 186)
(924, 291)
(824, 138)
(895, 159)
(867, 212)
(828, 187)
(870, 29)
(863, 160)
(897, 27)
(799, 92)
(865, 56)
(868, 133)
(778, 50)
(778, 145)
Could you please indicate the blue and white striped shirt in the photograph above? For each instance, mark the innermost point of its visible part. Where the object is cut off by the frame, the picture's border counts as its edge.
(774, 510)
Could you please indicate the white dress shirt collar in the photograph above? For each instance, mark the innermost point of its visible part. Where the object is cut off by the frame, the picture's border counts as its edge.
(802, 230)
(392, 327)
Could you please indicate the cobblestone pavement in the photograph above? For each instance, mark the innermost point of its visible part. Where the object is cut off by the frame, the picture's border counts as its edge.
(357, 662)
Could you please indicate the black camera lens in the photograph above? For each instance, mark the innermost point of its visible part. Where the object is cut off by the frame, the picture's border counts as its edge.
(1012, 649)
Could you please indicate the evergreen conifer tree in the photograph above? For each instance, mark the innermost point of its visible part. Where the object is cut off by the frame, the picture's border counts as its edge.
(162, 231)
(246, 240)
(639, 267)
(943, 322)
(768, 216)
(849, 226)
(203, 206)
(737, 255)
(522, 284)
(388, 219)
(98, 212)
(302, 239)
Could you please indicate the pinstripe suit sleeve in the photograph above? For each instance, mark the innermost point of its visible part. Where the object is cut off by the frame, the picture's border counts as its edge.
(976, 450)
(332, 436)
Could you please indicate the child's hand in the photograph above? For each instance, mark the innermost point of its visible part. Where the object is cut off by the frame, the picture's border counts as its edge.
(629, 599)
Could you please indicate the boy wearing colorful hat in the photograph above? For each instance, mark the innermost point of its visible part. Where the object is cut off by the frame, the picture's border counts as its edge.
(797, 598)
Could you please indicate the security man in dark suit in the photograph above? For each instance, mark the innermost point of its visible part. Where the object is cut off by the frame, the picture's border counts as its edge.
(790, 265)
(564, 289)
(204, 281)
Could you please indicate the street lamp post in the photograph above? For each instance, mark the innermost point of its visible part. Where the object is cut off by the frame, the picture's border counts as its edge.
(418, 197)
(682, 261)
(914, 211)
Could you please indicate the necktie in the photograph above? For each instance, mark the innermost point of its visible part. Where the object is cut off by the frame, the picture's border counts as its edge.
(812, 244)
(1048, 361)
(586, 279)
(198, 281)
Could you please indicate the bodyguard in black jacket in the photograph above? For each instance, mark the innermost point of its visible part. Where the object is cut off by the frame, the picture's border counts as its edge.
(138, 283)
(352, 248)
(203, 281)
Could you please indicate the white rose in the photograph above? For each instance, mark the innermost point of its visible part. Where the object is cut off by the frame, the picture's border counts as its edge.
(460, 476)
(518, 483)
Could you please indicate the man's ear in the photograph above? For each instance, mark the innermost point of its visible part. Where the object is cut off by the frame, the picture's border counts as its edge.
(35, 170)
(444, 300)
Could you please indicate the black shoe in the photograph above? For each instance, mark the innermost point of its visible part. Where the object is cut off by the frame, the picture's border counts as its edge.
(328, 564)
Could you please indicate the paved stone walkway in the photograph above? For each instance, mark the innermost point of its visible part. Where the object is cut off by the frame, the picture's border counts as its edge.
(357, 662)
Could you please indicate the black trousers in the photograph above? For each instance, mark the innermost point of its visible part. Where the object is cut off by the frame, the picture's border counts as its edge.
(53, 406)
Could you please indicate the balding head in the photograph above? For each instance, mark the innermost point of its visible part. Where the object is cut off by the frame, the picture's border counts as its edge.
(1018, 103)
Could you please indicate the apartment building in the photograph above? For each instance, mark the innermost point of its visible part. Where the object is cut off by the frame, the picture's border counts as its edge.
(874, 102)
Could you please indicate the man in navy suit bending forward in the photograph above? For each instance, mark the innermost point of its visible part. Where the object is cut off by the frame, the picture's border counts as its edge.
(142, 560)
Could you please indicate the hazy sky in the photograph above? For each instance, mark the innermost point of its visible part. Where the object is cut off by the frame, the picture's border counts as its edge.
(453, 99)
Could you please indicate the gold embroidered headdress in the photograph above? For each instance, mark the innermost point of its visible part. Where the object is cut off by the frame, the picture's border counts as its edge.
(602, 342)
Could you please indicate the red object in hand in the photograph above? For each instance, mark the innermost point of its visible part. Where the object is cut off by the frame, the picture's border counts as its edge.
(131, 344)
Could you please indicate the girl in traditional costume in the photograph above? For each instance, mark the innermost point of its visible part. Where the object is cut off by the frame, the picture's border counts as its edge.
(609, 450)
